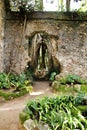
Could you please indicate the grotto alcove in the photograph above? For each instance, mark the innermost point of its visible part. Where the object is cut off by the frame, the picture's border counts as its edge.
(43, 52)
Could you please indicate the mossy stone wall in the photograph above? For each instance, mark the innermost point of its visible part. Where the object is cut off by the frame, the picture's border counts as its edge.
(71, 41)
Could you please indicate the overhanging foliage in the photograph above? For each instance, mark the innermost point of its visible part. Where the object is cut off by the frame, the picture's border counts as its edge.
(36, 5)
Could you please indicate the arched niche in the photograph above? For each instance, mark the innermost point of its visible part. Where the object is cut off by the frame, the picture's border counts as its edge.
(43, 50)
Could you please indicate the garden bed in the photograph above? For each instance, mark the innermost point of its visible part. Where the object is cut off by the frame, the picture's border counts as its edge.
(71, 83)
(13, 85)
(57, 113)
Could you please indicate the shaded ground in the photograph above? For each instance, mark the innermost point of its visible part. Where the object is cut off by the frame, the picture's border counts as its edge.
(9, 110)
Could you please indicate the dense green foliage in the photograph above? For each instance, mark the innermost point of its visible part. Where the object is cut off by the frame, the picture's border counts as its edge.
(19, 84)
(26, 5)
(82, 14)
(52, 76)
(70, 83)
(4, 81)
(31, 5)
(59, 113)
(81, 99)
(72, 78)
(13, 80)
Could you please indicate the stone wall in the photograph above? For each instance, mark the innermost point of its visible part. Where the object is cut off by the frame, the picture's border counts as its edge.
(71, 43)
(16, 50)
(2, 22)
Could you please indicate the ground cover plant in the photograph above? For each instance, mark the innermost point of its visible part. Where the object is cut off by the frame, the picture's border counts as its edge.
(13, 85)
(60, 113)
(72, 78)
(70, 83)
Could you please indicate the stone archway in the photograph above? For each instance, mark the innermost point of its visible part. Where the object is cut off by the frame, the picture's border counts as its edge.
(43, 53)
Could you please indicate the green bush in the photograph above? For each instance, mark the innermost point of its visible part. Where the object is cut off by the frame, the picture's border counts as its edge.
(59, 113)
(52, 76)
(81, 99)
(4, 81)
(72, 78)
(70, 83)
(19, 83)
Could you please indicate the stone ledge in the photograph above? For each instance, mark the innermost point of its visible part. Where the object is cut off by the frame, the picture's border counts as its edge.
(64, 16)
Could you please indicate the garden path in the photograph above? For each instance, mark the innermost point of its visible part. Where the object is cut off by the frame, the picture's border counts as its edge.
(9, 110)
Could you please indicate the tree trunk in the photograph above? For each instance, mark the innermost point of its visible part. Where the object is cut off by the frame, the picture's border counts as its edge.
(68, 5)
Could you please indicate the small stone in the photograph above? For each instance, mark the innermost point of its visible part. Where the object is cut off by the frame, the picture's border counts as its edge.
(42, 126)
(29, 124)
(58, 77)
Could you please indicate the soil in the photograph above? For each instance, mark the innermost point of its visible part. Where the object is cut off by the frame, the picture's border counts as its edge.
(9, 110)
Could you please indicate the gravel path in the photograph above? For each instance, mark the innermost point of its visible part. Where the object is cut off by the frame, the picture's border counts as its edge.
(9, 110)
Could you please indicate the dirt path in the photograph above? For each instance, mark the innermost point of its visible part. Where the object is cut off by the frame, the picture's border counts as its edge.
(9, 110)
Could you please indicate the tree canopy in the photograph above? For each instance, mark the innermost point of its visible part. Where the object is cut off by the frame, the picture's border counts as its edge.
(34, 5)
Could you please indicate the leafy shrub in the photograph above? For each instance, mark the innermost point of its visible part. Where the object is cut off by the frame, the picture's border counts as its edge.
(52, 76)
(81, 99)
(4, 81)
(81, 103)
(20, 83)
(72, 78)
(70, 83)
(59, 113)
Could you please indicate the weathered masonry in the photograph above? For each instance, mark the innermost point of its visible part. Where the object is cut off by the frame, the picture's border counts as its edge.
(60, 39)
(2, 25)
